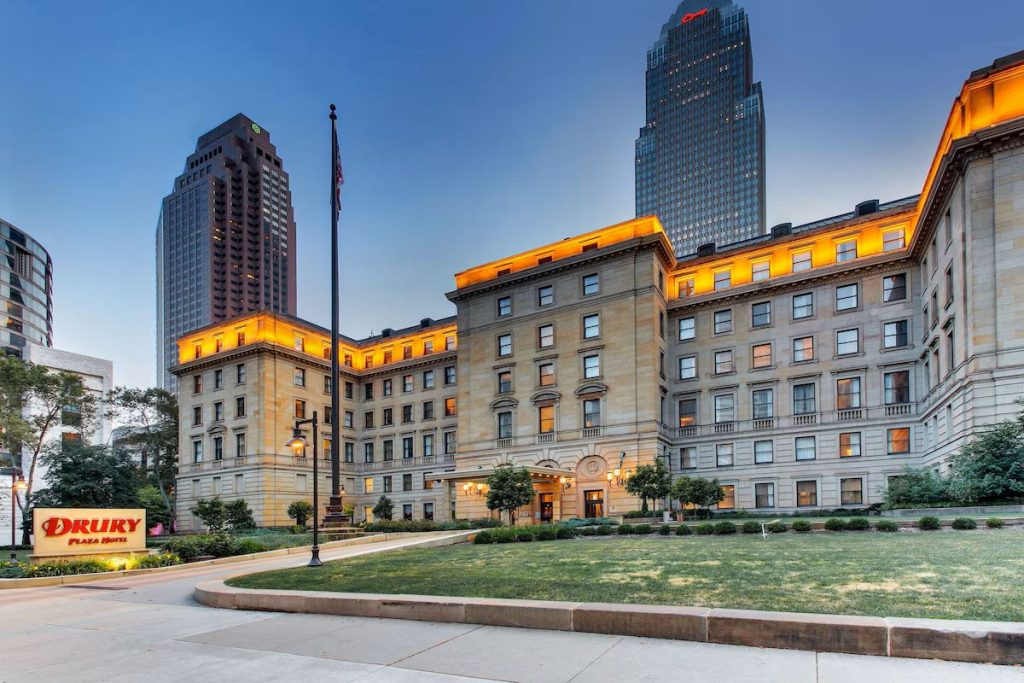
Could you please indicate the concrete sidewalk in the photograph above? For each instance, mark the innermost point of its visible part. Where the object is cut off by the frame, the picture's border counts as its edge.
(149, 626)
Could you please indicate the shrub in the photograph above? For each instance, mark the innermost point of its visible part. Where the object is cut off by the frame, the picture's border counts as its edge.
(300, 511)
(484, 523)
(524, 535)
(749, 527)
(929, 523)
(835, 524)
(887, 525)
(604, 530)
(915, 487)
(664, 530)
(801, 526)
(705, 529)
(994, 523)
(483, 537)
(723, 528)
(643, 529)
(858, 524)
(11, 570)
(588, 521)
(626, 529)
(187, 548)
(589, 530)
(546, 534)
(639, 514)
(211, 512)
(238, 515)
(777, 528)
(399, 525)
(503, 535)
(65, 568)
(683, 530)
(161, 560)
(964, 524)
(565, 532)
(247, 546)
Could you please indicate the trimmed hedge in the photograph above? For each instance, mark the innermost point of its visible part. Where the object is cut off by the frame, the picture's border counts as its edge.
(835, 524)
(664, 530)
(643, 529)
(994, 523)
(801, 526)
(887, 525)
(484, 537)
(964, 524)
(750, 527)
(929, 523)
(725, 528)
(683, 530)
(777, 528)
(705, 529)
(565, 532)
(588, 531)
(858, 524)
(626, 529)
(604, 530)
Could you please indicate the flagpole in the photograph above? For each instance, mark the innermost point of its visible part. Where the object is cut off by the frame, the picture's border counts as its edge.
(335, 506)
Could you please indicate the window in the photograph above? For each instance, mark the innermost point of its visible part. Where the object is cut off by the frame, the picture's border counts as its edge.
(898, 441)
(950, 352)
(428, 347)
(299, 378)
(847, 297)
(935, 308)
(240, 373)
(546, 419)
(684, 287)
(240, 406)
(688, 458)
(894, 287)
(546, 336)
(504, 306)
(723, 321)
(300, 344)
(350, 451)
(849, 445)
(846, 250)
(368, 419)
(388, 356)
(892, 239)
(197, 351)
(723, 455)
(847, 342)
(349, 389)
(591, 284)
(368, 451)
(197, 451)
(450, 342)
(851, 491)
(728, 501)
(349, 419)
(388, 417)
(806, 494)
(505, 382)
(387, 483)
(428, 379)
(764, 495)
(546, 374)
(450, 409)
(591, 413)
(428, 511)
(407, 384)
(505, 425)
(687, 329)
(591, 367)
(407, 352)
(197, 384)
(687, 367)
(949, 286)
(505, 345)
(761, 314)
(449, 375)
(591, 326)
(449, 442)
(387, 387)
(762, 355)
(545, 295)
(804, 401)
(240, 445)
(218, 379)
(848, 393)
(389, 449)
(407, 448)
(197, 416)
(348, 360)
(407, 486)
(723, 280)
(240, 339)
(428, 410)
(760, 271)
(803, 349)
(687, 412)
(804, 447)
(218, 448)
(947, 228)
(725, 408)
(801, 261)
(723, 362)
(803, 306)
(327, 384)
(764, 452)
(368, 485)
(762, 404)
(368, 391)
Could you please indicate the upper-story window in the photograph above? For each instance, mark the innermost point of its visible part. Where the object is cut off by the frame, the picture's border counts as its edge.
(723, 279)
(895, 334)
(546, 295)
(949, 285)
(761, 355)
(300, 343)
(803, 305)
(684, 287)
(387, 387)
(894, 287)
(687, 367)
(896, 387)
(450, 342)
(760, 270)
(240, 373)
(505, 345)
(545, 336)
(725, 408)
(846, 250)
(300, 377)
(449, 375)
(723, 321)
(801, 260)
(893, 239)
(504, 307)
(804, 401)
(723, 362)
(761, 314)
(591, 367)
(847, 342)
(368, 391)
(368, 361)
(546, 374)
(847, 297)
(591, 284)
(505, 382)
(407, 352)
(197, 384)
(591, 326)
(687, 412)
(687, 329)
(428, 347)
(428, 379)
(848, 393)
(240, 339)
(407, 385)
(197, 351)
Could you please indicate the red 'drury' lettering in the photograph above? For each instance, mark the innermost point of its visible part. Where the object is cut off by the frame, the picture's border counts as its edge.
(693, 15)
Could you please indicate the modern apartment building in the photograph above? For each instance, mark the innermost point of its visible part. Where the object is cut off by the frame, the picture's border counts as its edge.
(225, 239)
(802, 368)
(700, 154)
(26, 291)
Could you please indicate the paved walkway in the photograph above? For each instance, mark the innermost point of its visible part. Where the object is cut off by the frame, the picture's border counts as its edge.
(149, 628)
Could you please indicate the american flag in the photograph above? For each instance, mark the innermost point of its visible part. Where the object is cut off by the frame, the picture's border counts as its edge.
(339, 177)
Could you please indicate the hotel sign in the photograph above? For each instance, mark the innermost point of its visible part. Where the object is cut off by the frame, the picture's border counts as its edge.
(687, 18)
(80, 531)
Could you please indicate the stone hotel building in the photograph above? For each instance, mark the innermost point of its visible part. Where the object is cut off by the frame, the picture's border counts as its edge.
(802, 369)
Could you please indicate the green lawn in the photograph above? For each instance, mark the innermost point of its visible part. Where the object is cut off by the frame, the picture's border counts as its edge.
(948, 574)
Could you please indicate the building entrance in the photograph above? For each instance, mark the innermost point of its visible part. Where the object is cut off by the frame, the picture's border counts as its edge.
(593, 503)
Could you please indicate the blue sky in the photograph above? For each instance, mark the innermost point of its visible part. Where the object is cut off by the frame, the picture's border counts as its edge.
(470, 130)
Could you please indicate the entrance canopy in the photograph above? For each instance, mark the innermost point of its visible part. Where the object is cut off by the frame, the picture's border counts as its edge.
(537, 473)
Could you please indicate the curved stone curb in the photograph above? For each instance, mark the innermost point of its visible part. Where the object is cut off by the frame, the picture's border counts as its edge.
(966, 641)
(43, 581)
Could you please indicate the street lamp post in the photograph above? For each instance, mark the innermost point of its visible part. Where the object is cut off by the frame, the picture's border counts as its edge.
(17, 484)
(298, 443)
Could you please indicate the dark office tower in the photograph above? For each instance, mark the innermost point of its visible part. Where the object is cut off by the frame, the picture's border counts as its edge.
(225, 239)
(26, 291)
(700, 156)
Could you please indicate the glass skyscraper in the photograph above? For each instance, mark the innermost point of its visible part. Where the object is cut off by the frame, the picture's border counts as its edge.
(700, 156)
(26, 291)
(225, 238)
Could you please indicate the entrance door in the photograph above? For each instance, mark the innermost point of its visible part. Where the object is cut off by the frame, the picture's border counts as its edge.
(593, 503)
(547, 507)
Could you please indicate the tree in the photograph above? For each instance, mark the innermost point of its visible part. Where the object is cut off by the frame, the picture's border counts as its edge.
(152, 416)
(83, 476)
(212, 512)
(300, 511)
(916, 486)
(33, 401)
(649, 482)
(990, 468)
(509, 490)
(384, 509)
(150, 499)
(238, 515)
(701, 493)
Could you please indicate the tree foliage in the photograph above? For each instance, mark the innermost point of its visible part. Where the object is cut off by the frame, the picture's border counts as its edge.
(238, 515)
(914, 486)
(510, 488)
(650, 482)
(156, 512)
(211, 512)
(300, 511)
(384, 509)
(702, 493)
(990, 468)
(83, 476)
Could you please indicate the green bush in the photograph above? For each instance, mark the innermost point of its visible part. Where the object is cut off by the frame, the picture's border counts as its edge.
(484, 523)
(503, 535)
(524, 536)
(238, 515)
(589, 531)
(300, 511)
(777, 528)
(835, 524)
(994, 523)
(588, 521)
(749, 527)
(604, 530)
(400, 525)
(161, 560)
(858, 524)
(11, 570)
(683, 530)
(724, 528)
(964, 524)
(65, 568)
(929, 523)
(916, 487)
(801, 526)
(187, 548)
(639, 514)
(664, 530)
(483, 537)
(564, 532)
(247, 546)
(546, 535)
(626, 529)
(643, 529)
(887, 525)
(705, 529)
